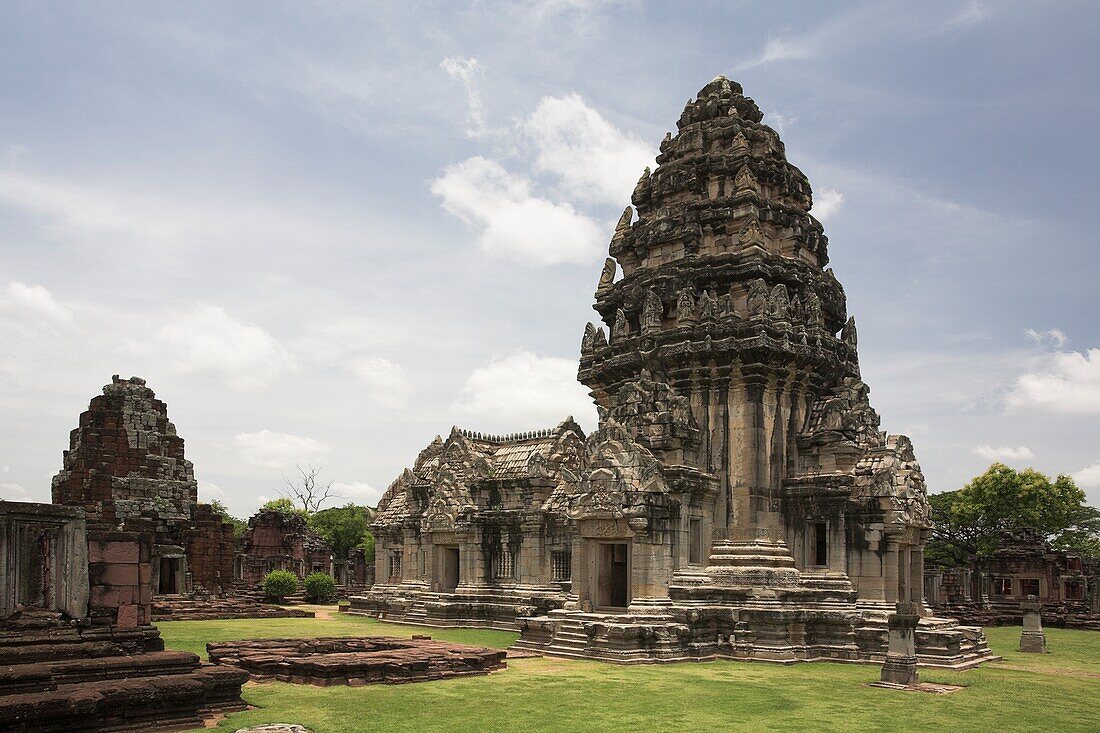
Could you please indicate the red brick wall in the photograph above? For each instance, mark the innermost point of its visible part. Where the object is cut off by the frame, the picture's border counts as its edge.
(210, 551)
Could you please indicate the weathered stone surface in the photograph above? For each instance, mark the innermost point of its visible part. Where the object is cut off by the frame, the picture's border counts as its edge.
(738, 497)
(355, 661)
(90, 662)
(126, 468)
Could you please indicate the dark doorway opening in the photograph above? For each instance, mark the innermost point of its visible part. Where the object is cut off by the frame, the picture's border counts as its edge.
(450, 569)
(614, 576)
(169, 567)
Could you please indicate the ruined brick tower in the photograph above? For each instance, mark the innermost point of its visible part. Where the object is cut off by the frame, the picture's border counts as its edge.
(126, 468)
(125, 457)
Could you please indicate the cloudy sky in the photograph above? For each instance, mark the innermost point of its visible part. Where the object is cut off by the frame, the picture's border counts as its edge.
(327, 232)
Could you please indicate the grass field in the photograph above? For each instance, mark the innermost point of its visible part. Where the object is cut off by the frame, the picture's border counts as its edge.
(1026, 692)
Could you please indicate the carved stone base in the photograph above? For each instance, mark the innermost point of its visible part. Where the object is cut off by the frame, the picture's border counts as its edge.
(899, 670)
(1033, 641)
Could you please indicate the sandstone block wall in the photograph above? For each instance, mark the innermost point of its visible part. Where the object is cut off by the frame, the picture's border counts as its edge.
(120, 572)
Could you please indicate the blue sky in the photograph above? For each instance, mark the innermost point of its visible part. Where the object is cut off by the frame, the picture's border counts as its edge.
(327, 232)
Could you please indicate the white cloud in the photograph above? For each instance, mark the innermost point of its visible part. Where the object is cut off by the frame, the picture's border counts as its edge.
(827, 202)
(12, 491)
(1089, 477)
(512, 220)
(386, 382)
(208, 491)
(593, 159)
(32, 322)
(1004, 453)
(971, 13)
(34, 302)
(206, 341)
(359, 492)
(1068, 383)
(1054, 336)
(278, 450)
(463, 70)
(780, 121)
(522, 391)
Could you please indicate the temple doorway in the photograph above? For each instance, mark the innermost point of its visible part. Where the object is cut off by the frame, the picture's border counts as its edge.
(169, 567)
(613, 579)
(450, 570)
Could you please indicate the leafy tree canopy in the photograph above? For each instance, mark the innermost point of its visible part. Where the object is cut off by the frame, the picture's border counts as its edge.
(283, 505)
(239, 525)
(343, 528)
(969, 522)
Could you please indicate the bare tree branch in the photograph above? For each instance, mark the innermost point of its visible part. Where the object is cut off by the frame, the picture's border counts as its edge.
(306, 490)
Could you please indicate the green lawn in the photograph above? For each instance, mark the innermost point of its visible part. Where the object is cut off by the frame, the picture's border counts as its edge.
(1026, 692)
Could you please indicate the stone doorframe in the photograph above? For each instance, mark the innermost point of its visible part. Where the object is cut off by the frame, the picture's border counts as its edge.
(170, 552)
(593, 534)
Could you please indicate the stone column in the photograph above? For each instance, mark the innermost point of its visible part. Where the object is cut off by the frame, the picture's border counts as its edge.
(900, 667)
(1032, 638)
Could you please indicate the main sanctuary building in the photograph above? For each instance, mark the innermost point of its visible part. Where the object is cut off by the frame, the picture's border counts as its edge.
(738, 498)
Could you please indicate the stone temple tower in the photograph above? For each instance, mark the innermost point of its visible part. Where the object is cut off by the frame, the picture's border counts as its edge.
(737, 499)
(725, 299)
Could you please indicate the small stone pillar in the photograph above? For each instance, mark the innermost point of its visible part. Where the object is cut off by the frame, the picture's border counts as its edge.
(1032, 638)
(900, 667)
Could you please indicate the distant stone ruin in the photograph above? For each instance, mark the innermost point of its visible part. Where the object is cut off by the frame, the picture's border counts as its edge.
(126, 468)
(738, 498)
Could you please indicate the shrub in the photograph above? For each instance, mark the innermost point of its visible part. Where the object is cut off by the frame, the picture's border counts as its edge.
(280, 583)
(320, 587)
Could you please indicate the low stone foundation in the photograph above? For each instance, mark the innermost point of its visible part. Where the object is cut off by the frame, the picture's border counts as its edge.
(356, 660)
(182, 608)
(57, 674)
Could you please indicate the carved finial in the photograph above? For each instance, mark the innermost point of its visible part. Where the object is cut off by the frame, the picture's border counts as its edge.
(685, 307)
(848, 333)
(752, 235)
(652, 312)
(588, 341)
(746, 181)
(600, 340)
(740, 144)
(621, 329)
(625, 219)
(607, 275)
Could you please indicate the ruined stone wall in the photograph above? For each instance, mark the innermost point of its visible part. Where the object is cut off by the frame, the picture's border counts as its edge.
(120, 572)
(278, 541)
(125, 459)
(210, 552)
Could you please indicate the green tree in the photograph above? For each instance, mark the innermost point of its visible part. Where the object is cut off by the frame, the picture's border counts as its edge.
(239, 525)
(367, 545)
(283, 505)
(969, 522)
(342, 528)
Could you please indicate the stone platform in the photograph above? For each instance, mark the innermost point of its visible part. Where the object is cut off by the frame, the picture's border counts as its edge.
(183, 608)
(56, 675)
(355, 660)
